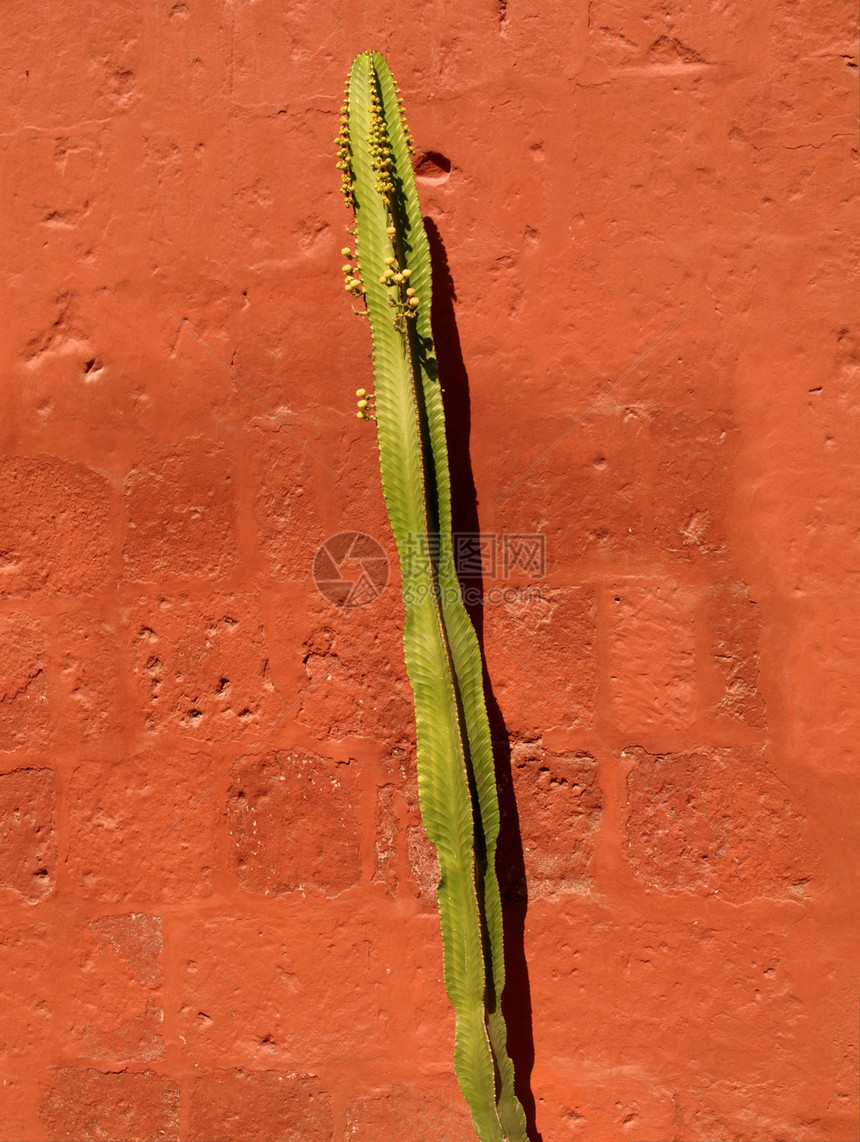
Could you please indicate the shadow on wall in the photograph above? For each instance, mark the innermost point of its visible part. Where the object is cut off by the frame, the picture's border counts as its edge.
(510, 865)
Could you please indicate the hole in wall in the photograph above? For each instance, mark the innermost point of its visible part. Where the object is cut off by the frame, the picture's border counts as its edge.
(92, 368)
(433, 167)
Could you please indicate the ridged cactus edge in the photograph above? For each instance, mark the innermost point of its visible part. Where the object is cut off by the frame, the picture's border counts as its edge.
(388, 273)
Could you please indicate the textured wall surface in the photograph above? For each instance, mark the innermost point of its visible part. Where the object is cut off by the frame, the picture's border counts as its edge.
(217, 915)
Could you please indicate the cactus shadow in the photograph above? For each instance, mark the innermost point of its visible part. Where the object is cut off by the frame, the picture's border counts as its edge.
(510, 864)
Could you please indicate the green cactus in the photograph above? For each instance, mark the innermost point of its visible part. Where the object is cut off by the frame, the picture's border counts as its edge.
(390, 271)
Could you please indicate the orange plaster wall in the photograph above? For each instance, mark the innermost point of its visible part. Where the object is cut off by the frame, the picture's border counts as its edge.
(217, 917)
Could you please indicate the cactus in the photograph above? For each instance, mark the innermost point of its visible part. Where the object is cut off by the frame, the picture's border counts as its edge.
(389, 271)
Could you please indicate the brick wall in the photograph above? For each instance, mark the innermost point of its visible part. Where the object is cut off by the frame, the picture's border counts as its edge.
(217, 911)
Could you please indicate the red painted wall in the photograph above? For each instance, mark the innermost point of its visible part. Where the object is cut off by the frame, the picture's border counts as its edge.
(216, 901)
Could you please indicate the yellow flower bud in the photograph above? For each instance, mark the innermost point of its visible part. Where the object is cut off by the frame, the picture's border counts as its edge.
(360, 392)
(347, 253)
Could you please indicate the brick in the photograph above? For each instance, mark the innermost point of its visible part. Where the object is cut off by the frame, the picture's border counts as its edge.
(735, 632)
(57, 534)
(20, 1097)
(117, 49)
(715, 821)
(202, 669)
(134, 1038)
(135, 939)
(423, 865)
(289, 991)
(737, 1108)
(289, 529)
(292, 819)
(627, 477)
(625, 35)
(136, 832)
(559, 804)
(235, 1105)
(182, 515)
(434, 1111)
(27, 833)
(691, 490)
(81, 1104)
(652, 655)
(825, 679)
(387, 828)
(644, 982)
(579, 1099)
(585, 494)
(24, 674)
(421, 857)
(116, 1012)
(541, 657)
(29, 953)
(88, 655)
(357, 677)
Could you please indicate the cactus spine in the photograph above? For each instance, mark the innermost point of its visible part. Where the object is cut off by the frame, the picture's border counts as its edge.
(390, 270)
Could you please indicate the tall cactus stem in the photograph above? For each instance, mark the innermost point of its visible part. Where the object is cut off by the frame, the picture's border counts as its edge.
(390, 272)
